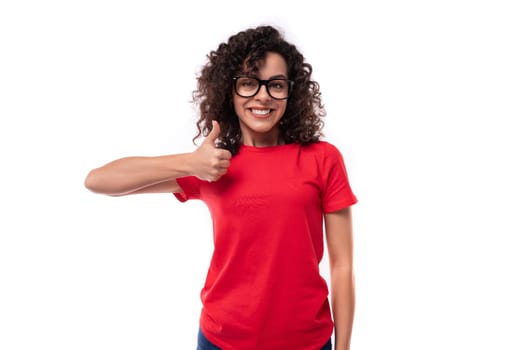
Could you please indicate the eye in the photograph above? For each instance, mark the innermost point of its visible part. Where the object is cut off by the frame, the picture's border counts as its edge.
(277, 84)
(248, 83)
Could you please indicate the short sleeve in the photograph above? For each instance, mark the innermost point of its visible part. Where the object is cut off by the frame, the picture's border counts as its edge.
(190, 188)
(337, 193)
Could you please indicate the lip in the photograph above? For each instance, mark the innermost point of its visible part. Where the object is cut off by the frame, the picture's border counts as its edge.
(260, 116)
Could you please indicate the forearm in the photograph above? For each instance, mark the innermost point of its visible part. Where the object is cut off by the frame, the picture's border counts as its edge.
(343, 305)
(130, 174)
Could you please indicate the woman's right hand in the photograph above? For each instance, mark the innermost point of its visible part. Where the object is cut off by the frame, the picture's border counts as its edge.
(210, 162)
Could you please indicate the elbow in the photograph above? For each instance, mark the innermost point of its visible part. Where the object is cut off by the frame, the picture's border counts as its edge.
(342, 269)
(95, 183)
(91, 182)
(342, 266)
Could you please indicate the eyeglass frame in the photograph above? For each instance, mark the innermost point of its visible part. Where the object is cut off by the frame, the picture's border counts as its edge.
(264, 82)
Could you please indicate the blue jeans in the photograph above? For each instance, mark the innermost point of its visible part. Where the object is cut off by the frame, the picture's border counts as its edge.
(205, 344)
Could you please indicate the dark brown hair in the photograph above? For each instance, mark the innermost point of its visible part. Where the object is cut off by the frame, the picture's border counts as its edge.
(301, 122)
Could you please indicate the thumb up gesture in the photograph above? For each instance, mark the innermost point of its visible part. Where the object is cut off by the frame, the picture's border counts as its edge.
(210, 162)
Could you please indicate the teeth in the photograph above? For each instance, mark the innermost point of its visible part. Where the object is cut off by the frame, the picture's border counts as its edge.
(260, 111)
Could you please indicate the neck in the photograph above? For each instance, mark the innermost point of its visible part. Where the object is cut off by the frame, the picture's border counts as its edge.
(264, 140)
(262, 143)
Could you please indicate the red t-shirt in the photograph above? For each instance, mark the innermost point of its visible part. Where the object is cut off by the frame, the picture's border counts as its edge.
(263, 290)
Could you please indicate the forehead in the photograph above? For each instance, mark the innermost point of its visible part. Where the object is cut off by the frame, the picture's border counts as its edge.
(273, 64)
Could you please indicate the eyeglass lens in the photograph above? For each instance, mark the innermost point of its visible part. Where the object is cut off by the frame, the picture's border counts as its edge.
(249, 87)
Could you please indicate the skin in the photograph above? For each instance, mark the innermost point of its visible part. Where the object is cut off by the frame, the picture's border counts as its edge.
(134, 175)
(262, 130)
(339, 238)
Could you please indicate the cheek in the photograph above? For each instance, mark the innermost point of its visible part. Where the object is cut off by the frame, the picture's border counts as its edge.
(283, 108)
(237, 108)
(237, 105)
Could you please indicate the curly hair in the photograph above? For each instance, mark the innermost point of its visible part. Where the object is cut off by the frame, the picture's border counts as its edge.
(301, 122)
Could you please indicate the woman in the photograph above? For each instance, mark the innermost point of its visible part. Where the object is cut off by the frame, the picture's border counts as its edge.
(269, 183)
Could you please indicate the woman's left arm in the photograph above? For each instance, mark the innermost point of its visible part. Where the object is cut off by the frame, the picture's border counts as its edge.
(339, 239)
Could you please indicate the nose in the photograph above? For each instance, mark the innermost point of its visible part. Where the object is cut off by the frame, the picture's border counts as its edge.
(263, 94)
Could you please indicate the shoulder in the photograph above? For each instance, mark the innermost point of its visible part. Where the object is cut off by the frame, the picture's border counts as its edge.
(324, 148)
(326, 154)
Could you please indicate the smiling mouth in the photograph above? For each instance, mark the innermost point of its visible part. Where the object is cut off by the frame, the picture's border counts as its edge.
(260, 112)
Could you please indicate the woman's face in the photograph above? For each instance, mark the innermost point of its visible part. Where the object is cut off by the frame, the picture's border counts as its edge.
(259, 115)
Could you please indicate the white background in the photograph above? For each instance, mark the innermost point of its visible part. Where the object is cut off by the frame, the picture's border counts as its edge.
(425, 99)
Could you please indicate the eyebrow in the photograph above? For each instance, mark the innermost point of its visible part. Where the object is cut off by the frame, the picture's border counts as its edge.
(279, 76)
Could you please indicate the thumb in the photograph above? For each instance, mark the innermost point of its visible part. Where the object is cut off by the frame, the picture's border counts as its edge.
(214, 133)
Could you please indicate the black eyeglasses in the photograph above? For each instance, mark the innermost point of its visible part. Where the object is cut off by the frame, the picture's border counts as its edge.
(277, 88)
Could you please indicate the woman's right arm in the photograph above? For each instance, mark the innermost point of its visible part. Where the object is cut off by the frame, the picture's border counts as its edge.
(137, 174)
(132, 175)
